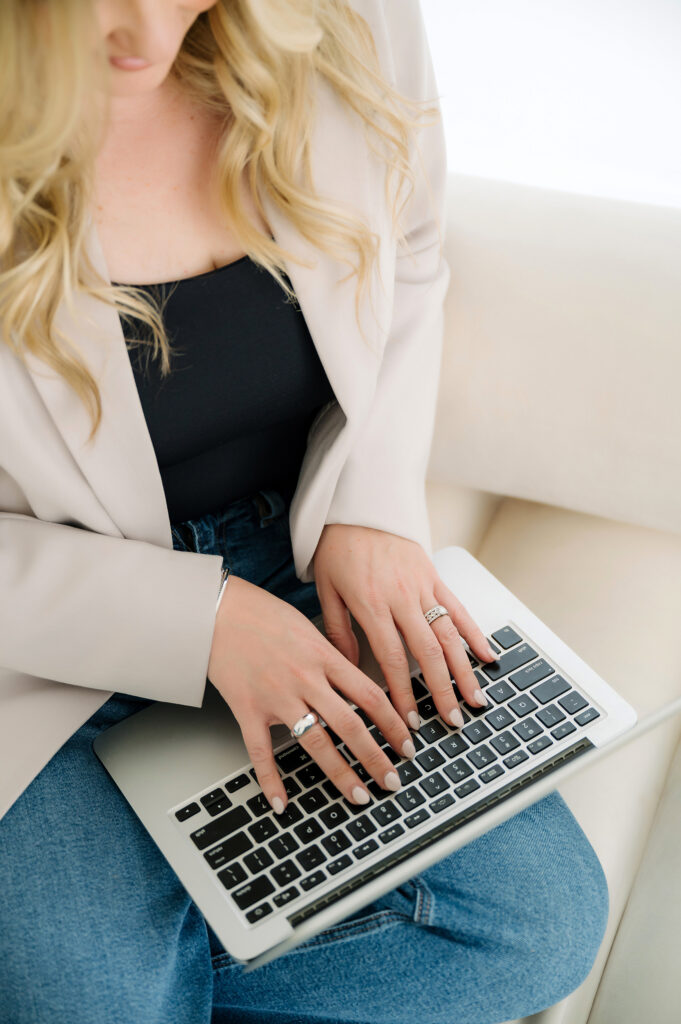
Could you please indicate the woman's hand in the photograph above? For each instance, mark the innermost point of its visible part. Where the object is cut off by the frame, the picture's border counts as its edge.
(388, 583)
(272, 665)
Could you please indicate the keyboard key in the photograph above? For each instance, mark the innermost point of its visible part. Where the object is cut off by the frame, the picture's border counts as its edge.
(563, 730)
(336, 842)
(282, 898)
(255, 891)
(551, 715)
(504, 742)
(429, 759)
(361, 827)
(527, 729)
(291, 787)
(289, 816)
(313, 800)
(385, 812)
(283, 845)
(311, 857)
(500, 718)
(409, 798)
(258, 912)
(483, 681)
(481, 756)
(333, 790)
(416, 818)
(263, 829)
(390, 754)
(587, 716)
(506, 637)
(426, 708)
(458, 770)
(508, 662)
(572, 702)
(441, 803)
(187, 812)
(531, 674)
(334, 815)
(491, 773)
(549, 690)
(418, 687)
(476, 732)
(334, 866)
(316, 879)
(514, 759)
(213, 797)
(434, 784)
(308, 830)
(391, 833)
(310, 775)
(365, 849)
(257, 861)
(219, 806)
(238, 782)
(295, 757)
(285, 872)
(470, 711)
(539, 744)
(501, 691)
(432, 731)
(221, 827)
(408, 771)
(467, 787)
(231, 848)
(454, 745)
(523, 704)
(252, 772)
(232, 875)
(259, 804)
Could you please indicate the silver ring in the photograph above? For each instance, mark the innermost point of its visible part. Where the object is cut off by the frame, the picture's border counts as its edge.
(435, 612)
(303, 724)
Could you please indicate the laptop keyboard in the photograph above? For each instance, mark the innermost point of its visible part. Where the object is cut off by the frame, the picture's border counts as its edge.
(267, 862)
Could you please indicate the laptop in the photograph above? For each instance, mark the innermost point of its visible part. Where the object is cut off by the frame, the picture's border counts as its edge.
(267, 882)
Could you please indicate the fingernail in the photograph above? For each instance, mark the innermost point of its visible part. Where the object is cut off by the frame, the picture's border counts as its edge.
(414, 720)
(408, 749)
(392, 781)
(490, 652)
(360, 795)
(480, 698)
(456, 718)
(277, 804)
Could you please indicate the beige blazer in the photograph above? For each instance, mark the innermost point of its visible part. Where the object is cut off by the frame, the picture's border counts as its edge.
(93, 597)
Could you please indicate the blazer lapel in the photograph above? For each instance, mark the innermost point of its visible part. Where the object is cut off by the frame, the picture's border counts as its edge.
(120, 463)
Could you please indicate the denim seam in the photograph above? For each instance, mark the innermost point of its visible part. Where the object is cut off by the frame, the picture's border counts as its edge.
(424, 902)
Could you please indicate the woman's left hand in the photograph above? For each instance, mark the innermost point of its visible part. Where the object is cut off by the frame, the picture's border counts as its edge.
(388, 583)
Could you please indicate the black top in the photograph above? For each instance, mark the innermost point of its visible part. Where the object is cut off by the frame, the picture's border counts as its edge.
(245, 384)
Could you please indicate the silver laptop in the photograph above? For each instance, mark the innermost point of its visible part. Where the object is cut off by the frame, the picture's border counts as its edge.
(267, 882)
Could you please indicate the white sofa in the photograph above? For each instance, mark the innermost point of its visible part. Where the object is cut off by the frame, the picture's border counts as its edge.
(556, 461)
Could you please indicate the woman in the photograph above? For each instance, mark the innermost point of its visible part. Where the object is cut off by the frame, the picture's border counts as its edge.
(164, 143)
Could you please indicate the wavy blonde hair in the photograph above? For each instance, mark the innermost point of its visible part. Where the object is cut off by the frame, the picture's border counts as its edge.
(254, 61)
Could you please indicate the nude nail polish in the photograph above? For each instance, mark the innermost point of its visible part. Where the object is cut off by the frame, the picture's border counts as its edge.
(277, 804)
(360, 795)
(408, 749)
(392, 781)
(414, 720)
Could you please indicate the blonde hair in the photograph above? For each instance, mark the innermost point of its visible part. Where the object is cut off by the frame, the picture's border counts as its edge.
(254, 61)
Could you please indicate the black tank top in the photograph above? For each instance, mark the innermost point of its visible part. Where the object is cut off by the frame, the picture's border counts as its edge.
(245, 384)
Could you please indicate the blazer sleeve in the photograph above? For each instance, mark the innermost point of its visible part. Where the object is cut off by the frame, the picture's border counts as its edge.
(382, 482)
(104, 612)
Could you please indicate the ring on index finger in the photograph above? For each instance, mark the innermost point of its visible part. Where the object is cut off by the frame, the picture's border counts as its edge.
(435, 612)
(303, 724)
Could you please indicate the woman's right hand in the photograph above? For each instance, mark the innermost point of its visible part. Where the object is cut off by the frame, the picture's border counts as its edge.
(271, 665)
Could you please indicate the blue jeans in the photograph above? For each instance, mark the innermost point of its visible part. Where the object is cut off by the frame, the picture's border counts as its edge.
(95, 927)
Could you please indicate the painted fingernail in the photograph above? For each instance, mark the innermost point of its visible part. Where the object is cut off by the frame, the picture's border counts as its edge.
(408, 749)
(360, 795)
(414, 720)
(392, 781)
(490, 652)
(277, 804)
(480, 698)
(456, 718)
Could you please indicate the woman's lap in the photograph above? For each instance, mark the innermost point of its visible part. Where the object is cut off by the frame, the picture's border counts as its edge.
(95, 925)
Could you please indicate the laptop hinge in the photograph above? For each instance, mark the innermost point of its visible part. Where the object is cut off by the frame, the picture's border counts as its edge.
(445, 827)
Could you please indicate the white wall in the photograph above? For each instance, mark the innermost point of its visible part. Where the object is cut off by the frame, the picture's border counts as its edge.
(578, 95)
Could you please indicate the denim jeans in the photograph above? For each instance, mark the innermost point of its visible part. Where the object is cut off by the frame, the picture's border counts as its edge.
(95, 927)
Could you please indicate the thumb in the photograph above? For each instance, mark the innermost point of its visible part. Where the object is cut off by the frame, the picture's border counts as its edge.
(338, 627)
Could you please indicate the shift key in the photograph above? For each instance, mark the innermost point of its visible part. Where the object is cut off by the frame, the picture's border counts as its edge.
(220, 827)
(507, 662)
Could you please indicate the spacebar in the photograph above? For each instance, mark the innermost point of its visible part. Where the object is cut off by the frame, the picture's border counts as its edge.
(220, 827)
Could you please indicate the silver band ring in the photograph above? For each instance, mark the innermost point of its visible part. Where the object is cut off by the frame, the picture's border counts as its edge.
(303, 724)
(435, 612)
